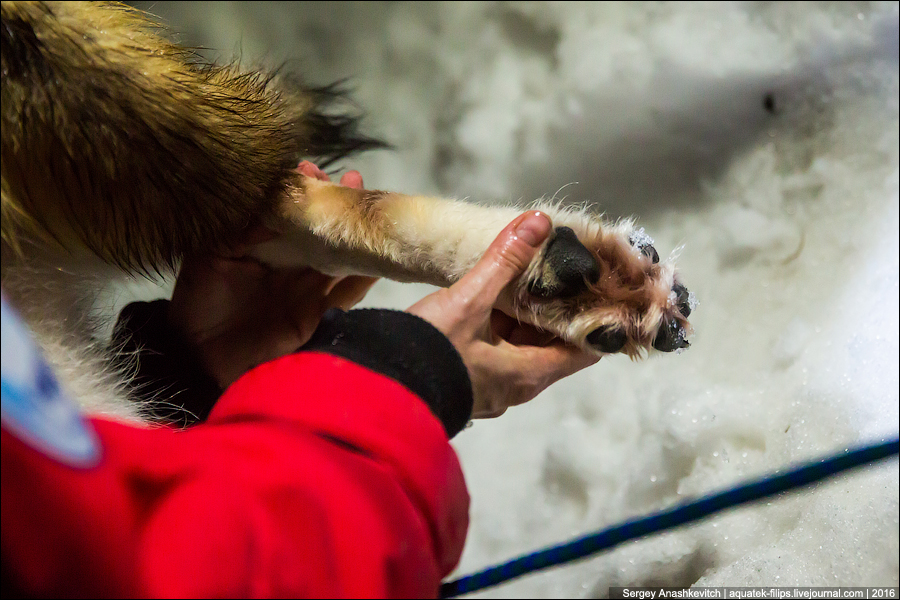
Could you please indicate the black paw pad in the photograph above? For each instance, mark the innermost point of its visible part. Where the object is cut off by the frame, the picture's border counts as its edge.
(682, 299)
(670, 336)
(568, 267)
(608, 338)
(644, 243)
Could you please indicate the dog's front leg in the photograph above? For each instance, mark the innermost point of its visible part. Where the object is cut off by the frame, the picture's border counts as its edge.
(340, 231)
(598, 285)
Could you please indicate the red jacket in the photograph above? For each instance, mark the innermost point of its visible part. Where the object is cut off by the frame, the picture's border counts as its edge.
(312, 477)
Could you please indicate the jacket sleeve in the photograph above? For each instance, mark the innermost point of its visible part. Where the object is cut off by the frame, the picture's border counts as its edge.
(162, 364)
(314, 476)
(158, 362)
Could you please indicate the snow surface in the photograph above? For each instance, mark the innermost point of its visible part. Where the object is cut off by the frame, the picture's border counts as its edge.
(761, 140)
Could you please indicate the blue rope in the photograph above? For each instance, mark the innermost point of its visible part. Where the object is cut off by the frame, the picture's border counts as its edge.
(668, 519)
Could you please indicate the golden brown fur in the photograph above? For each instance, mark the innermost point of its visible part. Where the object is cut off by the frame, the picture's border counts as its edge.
(120, 148)
(105, 123)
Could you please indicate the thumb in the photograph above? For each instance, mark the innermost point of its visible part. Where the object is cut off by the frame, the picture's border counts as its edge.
(505, 259)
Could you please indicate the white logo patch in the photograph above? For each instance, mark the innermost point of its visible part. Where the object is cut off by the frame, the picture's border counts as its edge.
(33, 406)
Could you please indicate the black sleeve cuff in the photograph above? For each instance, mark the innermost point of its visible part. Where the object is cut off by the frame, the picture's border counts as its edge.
(405, 348)
(168, 379)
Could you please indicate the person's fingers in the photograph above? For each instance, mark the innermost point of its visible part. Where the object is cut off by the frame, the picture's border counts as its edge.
(505, 259)
(558, 360)
(352, 179)
(526, 371)
(517, 333)
(311, 293)
(526, 335)
(308, 282)
(305, 299)
(310, 170)
(349, 291)
(502, 325)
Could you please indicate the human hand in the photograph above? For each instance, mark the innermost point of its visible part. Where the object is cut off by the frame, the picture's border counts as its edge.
(238, 313)
(509, 362)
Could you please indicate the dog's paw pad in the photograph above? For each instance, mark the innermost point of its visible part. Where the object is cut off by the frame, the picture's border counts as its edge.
(606, 290)
(568, 267)
(608, 339)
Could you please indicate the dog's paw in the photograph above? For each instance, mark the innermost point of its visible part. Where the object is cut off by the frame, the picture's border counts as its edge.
(605, 289)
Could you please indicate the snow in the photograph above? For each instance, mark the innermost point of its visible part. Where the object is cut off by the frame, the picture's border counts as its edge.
(759, 138)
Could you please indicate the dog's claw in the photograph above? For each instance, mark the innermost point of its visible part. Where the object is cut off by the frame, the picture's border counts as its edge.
(682, 299)
(643, 242)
